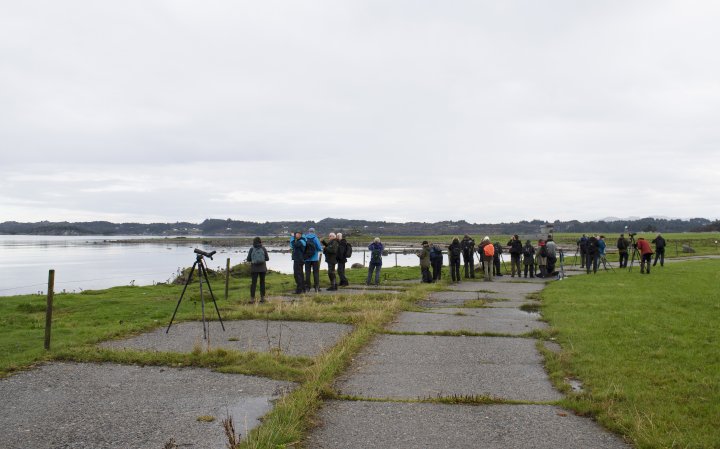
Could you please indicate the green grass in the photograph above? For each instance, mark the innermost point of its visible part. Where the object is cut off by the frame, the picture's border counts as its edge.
(647, 349)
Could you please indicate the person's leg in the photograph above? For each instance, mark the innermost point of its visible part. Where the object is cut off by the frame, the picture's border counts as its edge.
(517, 262)
(316, 275)
(657, 256)
(332, 276)
(308, 271)
(472, 266)
(262, 287)
(543, 271)
(457, 268)
(582, 259)
(341, 274)
(377, 274)
(647, 268)
(253, 285)
(642, 264)
(662, 258)
(371, 267)
(299, 277)
(587, 263)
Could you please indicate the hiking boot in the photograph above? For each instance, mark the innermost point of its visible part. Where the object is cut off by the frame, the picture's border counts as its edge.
(262, 299)
(252, 301)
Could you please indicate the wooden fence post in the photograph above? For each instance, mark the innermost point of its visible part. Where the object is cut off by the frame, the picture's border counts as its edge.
(48, 310)
(227, 277)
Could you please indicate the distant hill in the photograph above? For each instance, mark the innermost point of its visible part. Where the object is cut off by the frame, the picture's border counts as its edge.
(219, 227)
(710, 227)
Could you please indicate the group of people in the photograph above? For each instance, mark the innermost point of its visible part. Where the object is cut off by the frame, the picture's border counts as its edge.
(306, 249)
(592, 251)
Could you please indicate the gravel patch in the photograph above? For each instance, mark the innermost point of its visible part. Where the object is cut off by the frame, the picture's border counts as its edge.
(353, 425)
(500, 321)
(79, 405)
(420, 366)
(298, 338)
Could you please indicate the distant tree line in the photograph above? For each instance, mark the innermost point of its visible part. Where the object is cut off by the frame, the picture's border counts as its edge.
(218, 227)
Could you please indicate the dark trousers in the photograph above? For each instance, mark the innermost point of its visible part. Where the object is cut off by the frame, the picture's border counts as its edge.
(436, 269)
(645, 261)
(583, 256)
(341, 274)
(376, 268)
(469, 265)
(551, 264)
(299, 276)
(455, 269)
(331, 275)
(315, 267)
(253, 284)
(623, 259)
(661, 254)
(496, 264)
(515, 264)
(425, 272)
(531, 268)
(592, 259)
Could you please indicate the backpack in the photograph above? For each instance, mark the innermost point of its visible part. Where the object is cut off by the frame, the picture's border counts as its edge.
(376, 256)
(489, 250)
(310, 249)
(456, 251)
(543, 251)
(435, 253)
(257, 256)
(529, 251)
(348, 250)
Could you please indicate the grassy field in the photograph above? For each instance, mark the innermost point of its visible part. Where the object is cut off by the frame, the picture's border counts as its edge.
(647, 349)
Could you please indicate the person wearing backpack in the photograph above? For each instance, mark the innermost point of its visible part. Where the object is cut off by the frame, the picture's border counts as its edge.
(592, 255)
(376, 249)
(496, 259)
(541, 258)
(551, 249)
(622, 246)
(330, 249)
(312, 259)
(344, 253)
(582, 249)
(529, 259)
(516, 250)
(487, 250)
(468, 253)
(436, 262)
(424, 255)
(297, 245)
(454, 252)
(660, 244)
(257, 256)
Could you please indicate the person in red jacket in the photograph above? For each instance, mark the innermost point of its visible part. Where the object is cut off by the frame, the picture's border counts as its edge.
(645, 254)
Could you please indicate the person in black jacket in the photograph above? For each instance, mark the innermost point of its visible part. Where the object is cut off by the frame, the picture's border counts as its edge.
(516, 249)
(592, 254)
(660, 244)
(257, 256)
(496, 258)
(330, 249)
(436, 262)
(468, 253)
(622, 246)
(454, 251)
(529, 259)
(297, 244)
(344, 251)
(582, 247)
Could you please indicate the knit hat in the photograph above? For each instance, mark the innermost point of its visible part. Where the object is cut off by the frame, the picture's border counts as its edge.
(425, 242)
(311, 231)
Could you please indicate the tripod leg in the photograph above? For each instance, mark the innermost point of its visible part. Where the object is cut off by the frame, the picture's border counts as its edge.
(201, 269)
(192, 270)
(214, 302)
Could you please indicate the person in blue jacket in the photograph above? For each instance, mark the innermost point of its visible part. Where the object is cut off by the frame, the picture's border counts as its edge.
(312, 262)
(376, 249)
(601, 250)
(297, 244)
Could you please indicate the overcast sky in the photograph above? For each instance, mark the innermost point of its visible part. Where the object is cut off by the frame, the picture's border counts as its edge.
(384, 110)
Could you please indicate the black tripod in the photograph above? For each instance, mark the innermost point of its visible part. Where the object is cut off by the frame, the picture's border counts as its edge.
(202, 273)
(634, 251)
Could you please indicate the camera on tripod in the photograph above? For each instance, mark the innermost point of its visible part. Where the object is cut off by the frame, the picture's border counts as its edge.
(631, 234)
(205, 253)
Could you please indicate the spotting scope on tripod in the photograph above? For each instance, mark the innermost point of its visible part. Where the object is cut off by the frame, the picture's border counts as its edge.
(201, 267)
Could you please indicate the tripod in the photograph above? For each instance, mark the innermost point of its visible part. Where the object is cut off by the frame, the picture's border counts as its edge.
(634, 250)
(561, 273)
(577, 251)
(202, 273)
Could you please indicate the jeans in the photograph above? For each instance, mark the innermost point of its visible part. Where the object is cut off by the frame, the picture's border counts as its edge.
(436, 269)
(623, 259)
(591, 259)
(469, 264)
(299, 276)
(341, 274)
(315, 267)
(455, 269)
(645, 260)
(253, 284)
(531, 268)
(373, 267)
(515, 264)
(659, 252)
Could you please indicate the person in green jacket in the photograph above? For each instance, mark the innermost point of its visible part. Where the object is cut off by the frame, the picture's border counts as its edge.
(424, 255)
(331, 251)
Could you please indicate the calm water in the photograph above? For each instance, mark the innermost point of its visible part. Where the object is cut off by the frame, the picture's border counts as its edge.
(91, 262)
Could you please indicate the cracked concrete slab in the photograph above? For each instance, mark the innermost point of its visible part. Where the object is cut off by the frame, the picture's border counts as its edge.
(492, 320)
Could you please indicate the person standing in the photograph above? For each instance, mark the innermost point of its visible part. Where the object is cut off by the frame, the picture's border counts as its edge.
(582, 247)
(488, 252)
(529, 259)
(551, 249)
(468, 253)
(542, 259)
(592, 255)
(516, 250)
(436, 261)
(257, 256)
(659, 242)
(424, 255)
(297, 245)
(376, 249)
(622, 247)
(496, 259)
(331, 251)
(454, 251)
(344, 253)
(312, 259)
(645, 254)
(601, 251)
